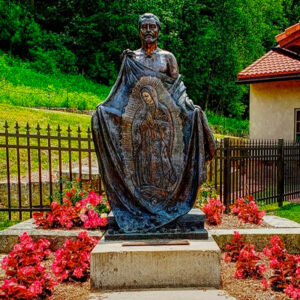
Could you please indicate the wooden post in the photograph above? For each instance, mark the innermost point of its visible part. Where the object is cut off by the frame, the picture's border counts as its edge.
(280, 173)
(227, 174)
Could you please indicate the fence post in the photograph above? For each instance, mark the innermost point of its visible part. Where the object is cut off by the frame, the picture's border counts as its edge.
(280, 173)
(227, 174)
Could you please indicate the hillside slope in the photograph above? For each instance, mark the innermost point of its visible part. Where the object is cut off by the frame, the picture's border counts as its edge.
(23, 86)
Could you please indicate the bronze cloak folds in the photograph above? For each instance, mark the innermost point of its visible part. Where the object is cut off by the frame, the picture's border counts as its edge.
(152, 146)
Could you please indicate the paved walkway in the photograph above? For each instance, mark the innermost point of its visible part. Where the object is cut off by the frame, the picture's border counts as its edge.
(163, 294)
(279, 222)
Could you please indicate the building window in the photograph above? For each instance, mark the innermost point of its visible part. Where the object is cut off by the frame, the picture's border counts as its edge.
(297, 124)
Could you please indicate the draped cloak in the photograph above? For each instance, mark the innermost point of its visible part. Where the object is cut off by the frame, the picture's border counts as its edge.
(168, 143)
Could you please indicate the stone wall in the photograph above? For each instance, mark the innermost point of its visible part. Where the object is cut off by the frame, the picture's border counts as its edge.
(35, 187)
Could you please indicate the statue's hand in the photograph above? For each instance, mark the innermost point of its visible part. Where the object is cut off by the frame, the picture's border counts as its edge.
(127, 52)
(149, 118)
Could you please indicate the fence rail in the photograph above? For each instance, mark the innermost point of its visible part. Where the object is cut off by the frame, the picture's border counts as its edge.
(34, 165)
(267, 169)
(34, 162)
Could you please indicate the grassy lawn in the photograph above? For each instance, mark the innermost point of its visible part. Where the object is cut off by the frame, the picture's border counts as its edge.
(11, 114)
(228, 126)
(5, 222)
(288, 210)
(23, 86)
(22, 115)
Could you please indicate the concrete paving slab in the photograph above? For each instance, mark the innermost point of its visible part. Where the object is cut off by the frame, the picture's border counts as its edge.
(280, 222)
(260, 237)
(10, 236)
(169, 294)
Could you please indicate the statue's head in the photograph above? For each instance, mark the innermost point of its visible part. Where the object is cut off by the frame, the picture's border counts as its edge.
(149, 27)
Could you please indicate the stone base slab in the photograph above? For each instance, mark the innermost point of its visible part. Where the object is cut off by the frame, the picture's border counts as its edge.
(10, 236)
(115, 266)
(260, 237)
(188, 226)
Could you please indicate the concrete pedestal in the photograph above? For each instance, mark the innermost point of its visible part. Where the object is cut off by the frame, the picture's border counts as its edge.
(115, 266)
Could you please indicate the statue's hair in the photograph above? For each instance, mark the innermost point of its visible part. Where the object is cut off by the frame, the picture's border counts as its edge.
(149, 16)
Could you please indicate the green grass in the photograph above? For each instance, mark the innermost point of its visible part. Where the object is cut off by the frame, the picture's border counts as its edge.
(289, 210)
(22, 115)
(11, 114)
(228, 126)
(5, 222)
(23, 86)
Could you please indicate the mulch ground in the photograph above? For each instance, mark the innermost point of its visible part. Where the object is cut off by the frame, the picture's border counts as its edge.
(247, 289)
(233, 222)
(241, 289)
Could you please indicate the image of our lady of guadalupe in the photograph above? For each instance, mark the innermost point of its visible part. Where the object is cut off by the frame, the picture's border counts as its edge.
(152, 139)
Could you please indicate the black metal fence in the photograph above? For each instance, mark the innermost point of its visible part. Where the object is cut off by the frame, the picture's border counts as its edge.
(267, 169)
(34, 162)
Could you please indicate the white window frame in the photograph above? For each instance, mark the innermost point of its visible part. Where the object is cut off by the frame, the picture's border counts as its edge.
(296, 122)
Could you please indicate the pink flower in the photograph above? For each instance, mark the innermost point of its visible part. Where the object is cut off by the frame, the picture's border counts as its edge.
(36, 288)
(78, 272)
(265, 284)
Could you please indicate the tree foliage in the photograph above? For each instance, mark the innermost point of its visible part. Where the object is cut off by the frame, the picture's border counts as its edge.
(212, 39)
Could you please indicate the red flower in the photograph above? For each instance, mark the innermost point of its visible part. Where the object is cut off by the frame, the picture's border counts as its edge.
(234, 248)
(265, 284)
(247, 210)
(213, 211)
(27, 276)
(286, 268)
(248, 264)
(73, 260)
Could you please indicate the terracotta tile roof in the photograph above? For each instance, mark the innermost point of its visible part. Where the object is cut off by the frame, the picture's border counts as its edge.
(272, 64)
(291, 33)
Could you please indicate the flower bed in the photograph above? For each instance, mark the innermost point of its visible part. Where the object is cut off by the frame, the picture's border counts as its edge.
(283, 268)
(80, 207)
(26, 276)
(248, 288)
(230, 221)
(244, 212)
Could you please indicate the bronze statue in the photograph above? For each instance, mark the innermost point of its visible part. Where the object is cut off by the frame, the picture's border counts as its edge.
(151, 141)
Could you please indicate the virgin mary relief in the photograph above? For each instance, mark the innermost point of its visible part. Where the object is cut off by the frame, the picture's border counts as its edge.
(152, 142)
(153, 135)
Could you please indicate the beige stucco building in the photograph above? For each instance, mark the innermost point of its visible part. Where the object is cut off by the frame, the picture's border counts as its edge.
(275, 89)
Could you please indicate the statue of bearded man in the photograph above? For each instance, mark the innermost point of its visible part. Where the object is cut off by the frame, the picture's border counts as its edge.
(151, 141)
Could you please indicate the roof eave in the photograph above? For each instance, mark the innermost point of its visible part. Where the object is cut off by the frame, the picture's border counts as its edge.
(268, 79)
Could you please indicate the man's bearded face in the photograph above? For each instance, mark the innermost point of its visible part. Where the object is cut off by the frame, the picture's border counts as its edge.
(149, 31)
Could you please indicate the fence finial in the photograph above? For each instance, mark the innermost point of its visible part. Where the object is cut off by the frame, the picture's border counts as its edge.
(69, 130)
(17, 127)
(38, 127)
(6, 125)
